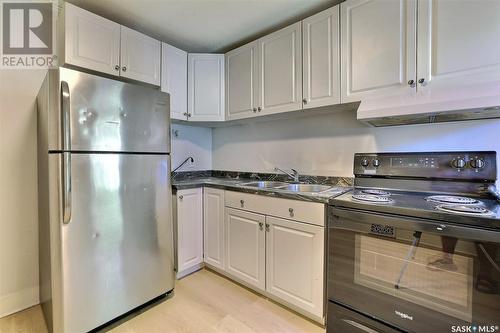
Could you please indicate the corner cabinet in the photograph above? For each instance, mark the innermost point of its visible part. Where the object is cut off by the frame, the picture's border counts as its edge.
(280, 70)
(98, 44)
(189, 231)
(174, 79)
(213, 221)
(206, 87)
(321, 59)
(378, 48)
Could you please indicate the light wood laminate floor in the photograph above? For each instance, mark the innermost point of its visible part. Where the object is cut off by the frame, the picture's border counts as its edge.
(203, 302)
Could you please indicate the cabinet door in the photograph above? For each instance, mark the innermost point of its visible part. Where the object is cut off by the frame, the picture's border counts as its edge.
(213, 221)
(280, 70)
(189, 228)
(174, 79)
(245, 247)
(458, 45)
(91, 41)
(140, 57)
(206, 87)
(242, 83)
(378, 48)
(321, 54)
(295, 263)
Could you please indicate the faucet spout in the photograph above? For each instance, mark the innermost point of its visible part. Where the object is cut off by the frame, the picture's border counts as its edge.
(294, 174)
(182, 164)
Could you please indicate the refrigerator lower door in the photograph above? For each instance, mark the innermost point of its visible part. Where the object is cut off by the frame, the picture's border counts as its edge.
(117, 248)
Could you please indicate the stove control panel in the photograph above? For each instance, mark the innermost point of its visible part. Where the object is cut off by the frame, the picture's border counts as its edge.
(451, 165)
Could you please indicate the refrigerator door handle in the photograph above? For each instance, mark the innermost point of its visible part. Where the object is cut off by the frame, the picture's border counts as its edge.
(66, 186)
(66, 120)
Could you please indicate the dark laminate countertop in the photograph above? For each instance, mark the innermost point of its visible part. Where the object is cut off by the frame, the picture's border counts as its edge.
(238, 185)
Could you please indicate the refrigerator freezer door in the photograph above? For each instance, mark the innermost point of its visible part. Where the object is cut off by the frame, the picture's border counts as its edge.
(117, 248)
(109, 115)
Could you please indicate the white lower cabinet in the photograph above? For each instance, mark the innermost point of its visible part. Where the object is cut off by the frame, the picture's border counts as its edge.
(189, 231)
(245, 247)
(295, 263)
(213, 221)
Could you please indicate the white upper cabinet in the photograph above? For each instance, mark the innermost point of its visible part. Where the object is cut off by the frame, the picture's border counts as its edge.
(206, 87)
(245, 247)
(91, 41)
(321, 59)
(174, 79)
(280, 70)
(213, 226)
(458, 45)
(378, 48)
(300, 283)
(140, 56)
(242, 82)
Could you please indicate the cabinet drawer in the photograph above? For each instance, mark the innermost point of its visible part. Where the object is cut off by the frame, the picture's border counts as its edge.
(309, 212)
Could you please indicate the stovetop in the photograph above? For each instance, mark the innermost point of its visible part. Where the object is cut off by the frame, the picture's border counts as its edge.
(474, 211)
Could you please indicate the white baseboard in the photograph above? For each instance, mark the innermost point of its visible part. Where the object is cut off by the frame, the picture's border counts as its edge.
(18, 301)
(190, 270)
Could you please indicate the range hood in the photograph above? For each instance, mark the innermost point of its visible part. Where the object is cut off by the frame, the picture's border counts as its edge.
(428, 106)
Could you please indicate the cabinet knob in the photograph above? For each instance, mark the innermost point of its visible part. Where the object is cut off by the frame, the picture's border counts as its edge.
(254, 109)
(411, 83)
(290, 210)
(267, 227)
(259, 109)
(124, 69)
(189, 115)
(242, 202)
(181, 197)
(261, 225)
(304, 101)
(422, 81)
(117, 68)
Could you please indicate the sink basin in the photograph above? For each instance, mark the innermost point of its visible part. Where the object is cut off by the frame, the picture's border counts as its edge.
(265, 184)
(311, 188)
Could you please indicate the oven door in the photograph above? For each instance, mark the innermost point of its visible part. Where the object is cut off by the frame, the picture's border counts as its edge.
(414, 274)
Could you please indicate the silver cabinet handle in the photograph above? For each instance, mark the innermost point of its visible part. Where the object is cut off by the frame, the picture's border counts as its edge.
(117, 68)
(242, 202)
(259, 109)
(189, 115)
(411, 83)
(124, 69)
(254, 109)
(422, 82)
(267, 227)
(181, 197)
(66, 186)
(290, 210)
(304, 101)
(261, 225)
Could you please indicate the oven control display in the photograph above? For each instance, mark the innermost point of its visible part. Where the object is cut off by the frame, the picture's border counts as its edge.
(414, 162)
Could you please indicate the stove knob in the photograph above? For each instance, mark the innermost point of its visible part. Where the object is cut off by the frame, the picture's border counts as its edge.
(458, 163)
(376, 163)
(477, 163)
(365, 162)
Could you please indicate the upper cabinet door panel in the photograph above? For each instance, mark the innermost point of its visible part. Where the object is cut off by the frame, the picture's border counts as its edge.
(206, 87)
(321, 54)
(242, 81)
(281, 70)
(458, 42)
(91, 41)
(174, 79)
(140, 57)
(378, 48)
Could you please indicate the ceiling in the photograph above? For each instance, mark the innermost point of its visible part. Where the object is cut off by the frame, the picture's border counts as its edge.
(205, 25)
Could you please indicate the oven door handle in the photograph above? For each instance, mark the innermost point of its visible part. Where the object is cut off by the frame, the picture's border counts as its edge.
(353, 220)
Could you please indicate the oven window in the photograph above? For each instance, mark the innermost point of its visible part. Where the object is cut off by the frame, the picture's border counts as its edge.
(420, 272)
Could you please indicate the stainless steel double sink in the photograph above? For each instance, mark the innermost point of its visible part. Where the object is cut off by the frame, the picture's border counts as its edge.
(306, 188)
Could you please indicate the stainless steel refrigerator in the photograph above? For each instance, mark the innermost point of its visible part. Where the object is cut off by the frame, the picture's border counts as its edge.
(105, 220)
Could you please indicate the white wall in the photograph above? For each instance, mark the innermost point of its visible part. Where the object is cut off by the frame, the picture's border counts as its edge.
(191, 141)
(18, 190)
(324, 145)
